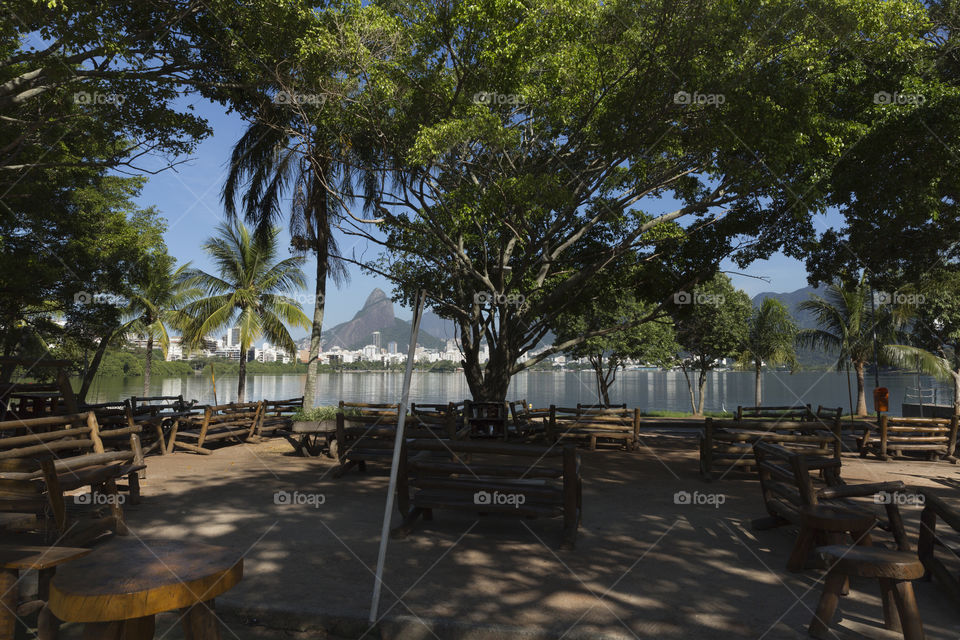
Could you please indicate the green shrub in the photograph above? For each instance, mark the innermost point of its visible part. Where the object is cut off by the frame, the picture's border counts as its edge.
(319, 414)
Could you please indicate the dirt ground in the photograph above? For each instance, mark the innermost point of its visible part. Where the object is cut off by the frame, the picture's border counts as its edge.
(644, 566)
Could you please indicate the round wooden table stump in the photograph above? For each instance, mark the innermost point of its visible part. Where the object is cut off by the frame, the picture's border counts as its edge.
(894, 570)
(119, 588)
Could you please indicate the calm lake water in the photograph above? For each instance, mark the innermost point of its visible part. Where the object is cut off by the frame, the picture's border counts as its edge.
(645, 389)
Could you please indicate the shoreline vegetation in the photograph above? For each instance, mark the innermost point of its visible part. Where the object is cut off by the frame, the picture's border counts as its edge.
(129, 363)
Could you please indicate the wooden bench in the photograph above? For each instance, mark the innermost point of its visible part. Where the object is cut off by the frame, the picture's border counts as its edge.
(59, 454)
(727, 445)
(943, 568)
(801, 412)
(486, 419)
(489, 477)
(591, 425)
(119, 431)
(21, 399)
(219, 423)
(362, 439)
(934, 437)
(787, 487)
(277, 415)
(527, 420)
(384, 410)
(158, 415)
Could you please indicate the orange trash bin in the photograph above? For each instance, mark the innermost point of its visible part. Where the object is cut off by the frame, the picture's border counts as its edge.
(881, 399)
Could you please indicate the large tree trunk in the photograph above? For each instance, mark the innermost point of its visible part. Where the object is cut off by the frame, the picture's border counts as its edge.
(861, 393)
(756, 389)
(310, 387)
(147, 365)
(94, 365)
(490, 382)
(603, 381)
(242, 382)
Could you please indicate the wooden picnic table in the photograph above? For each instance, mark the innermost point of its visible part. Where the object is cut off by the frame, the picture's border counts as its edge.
(119, 588)
(17, 558)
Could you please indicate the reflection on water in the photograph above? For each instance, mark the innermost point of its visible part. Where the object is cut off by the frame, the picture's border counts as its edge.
(645, 389)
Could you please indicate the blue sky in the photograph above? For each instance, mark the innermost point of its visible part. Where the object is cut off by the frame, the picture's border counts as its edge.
(189, 198)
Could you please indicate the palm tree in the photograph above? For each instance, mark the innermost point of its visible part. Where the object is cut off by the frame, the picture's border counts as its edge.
(281, 152)
(154, 306)
(770, 341)
(945, 366)
(248, 293)
(847, 322)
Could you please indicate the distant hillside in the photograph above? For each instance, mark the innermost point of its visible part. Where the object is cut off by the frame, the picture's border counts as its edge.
(375, 315)
(804, 320)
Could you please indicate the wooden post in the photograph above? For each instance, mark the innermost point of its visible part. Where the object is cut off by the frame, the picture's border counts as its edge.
(837, 438)
(636, 426)
(952, 440)
(883, 438)
(95, 432)
(707, 453)
(571, 515)
(551, 425)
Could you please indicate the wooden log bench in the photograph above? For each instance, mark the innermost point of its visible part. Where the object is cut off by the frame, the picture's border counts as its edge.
(527, 420)
(60, 454)
(791, 413)
(223, 423)
(727, 445)
(588, 426)
(939, 546)
(158, 415)
(515, 480)
(118, 430)
(370, 438)
(935, 438)
(788, 488)
(277, 415)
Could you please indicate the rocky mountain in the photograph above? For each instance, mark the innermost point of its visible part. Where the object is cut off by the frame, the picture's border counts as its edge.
(804, 320)
(375, 315)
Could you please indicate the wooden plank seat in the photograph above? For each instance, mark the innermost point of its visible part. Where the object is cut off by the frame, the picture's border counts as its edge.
(362, 439)
(793, 413)
(43, 560)
(65, 454)
(589, 426)
(486, 477)
(935, 438)
(787, 488)
(727, 445)
(527, 420)
(939, 547)
(486, 419)
(158, 416)
(277, 415)
(217, 424)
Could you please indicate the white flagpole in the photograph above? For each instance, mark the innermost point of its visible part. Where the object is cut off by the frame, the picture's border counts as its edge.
(397, 444)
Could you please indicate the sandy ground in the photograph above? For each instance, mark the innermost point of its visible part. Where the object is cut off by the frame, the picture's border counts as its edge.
(644, 566)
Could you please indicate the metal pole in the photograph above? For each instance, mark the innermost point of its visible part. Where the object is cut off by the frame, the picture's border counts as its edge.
(397, 445)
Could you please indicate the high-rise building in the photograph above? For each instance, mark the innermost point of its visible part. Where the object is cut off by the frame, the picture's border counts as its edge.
(376, 340)
(392, 346)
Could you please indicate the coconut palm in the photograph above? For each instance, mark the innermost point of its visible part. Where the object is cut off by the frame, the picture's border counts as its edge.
(249, 293)
(154, 307)
(847, 323)
(281, 153)
(770, 341)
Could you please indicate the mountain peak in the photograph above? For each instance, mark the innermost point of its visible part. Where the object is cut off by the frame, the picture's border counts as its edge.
(376, 296)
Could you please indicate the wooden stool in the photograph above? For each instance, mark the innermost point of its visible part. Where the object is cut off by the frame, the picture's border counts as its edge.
(822, 525)
(13, 560)
(119, 588)
(893, 569)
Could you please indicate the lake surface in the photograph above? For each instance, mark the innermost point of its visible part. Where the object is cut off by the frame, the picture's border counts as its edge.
(645, 389)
